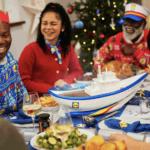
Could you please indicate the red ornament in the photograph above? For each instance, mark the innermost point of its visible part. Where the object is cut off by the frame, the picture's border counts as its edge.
(102, 36)
(70, 10)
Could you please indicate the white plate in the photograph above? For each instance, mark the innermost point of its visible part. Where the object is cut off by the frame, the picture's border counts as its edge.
(27, 125)
(82, 131)
(49, 108)
(85, 82)
(130, 120)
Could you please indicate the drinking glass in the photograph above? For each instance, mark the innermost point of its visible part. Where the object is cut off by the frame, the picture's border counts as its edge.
(62, 123)
(31, 105)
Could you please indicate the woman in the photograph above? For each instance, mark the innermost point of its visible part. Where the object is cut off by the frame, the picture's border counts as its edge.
(46, 62)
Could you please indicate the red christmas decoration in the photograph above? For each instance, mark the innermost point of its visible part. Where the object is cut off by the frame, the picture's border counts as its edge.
(70, 10)
(89, 34)
(102, 36)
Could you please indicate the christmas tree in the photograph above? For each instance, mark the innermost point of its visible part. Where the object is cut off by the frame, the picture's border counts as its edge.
(97, 20)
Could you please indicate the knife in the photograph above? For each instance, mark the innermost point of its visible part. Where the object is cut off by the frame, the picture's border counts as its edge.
(111, 114)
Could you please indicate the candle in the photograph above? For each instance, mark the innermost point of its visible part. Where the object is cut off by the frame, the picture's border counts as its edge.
(99, 69)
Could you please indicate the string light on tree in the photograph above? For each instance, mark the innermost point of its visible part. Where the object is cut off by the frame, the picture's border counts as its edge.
(76, 36)
(98, 15)
(84, 43)
(115, 6)
(94, 31)
(89, 49)
(93, 41)
(78, 57)
(114, 3)
(118, 15)
(83, 60)
(103, 18)
(94, 19)
(85, 30)
(91, 63)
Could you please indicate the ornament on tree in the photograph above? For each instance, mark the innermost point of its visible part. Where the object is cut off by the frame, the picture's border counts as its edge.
(102, 36)
(108, 2)
(70, 10)
(82, 7)
(77, 48)
(120, 22)
(97, 12)
(79, 24)
(112, 25)
(89, 34)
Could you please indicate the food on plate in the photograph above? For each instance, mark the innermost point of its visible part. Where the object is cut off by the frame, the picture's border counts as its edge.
(98, 143)
(48, 101)
(87, 77)
(108, 146)
(123, 70)
(120, 145)
(145, 70)
(95, 142)
(53, 134)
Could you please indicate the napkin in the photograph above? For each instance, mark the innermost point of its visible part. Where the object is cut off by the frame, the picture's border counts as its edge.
(64, 87)
(134, 127)
(80, 86)
(21, 118)
(69, 87)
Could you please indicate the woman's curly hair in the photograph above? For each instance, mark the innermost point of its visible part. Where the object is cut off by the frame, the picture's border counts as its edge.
(64, 36)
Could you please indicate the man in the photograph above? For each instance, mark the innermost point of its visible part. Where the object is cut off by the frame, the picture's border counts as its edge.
(130, 45)
(11, 86)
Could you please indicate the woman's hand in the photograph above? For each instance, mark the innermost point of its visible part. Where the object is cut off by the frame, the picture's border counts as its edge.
(62, 85)
(131, 143)
(60, 82)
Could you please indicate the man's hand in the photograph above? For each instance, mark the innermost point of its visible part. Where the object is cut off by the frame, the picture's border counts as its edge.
(131, 143)
(128, 50)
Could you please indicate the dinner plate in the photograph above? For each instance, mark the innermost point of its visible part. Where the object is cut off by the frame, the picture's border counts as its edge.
(27, 125)
(82, 131)
(129, 120)
(49, 108)
(85, 82)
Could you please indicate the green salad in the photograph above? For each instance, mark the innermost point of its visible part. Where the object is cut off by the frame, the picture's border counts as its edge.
(53, 142)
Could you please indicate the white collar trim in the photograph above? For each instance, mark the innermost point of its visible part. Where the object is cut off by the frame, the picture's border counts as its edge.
(129, 41)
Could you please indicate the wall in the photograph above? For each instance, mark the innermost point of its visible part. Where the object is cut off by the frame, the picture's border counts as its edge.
(21, 34)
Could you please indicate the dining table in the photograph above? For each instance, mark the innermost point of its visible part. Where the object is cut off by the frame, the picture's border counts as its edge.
(130, 109)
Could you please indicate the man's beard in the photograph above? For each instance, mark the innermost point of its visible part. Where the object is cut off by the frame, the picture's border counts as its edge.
(132, 36)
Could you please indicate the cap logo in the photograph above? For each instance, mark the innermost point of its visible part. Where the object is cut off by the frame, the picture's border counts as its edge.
(132, 6)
